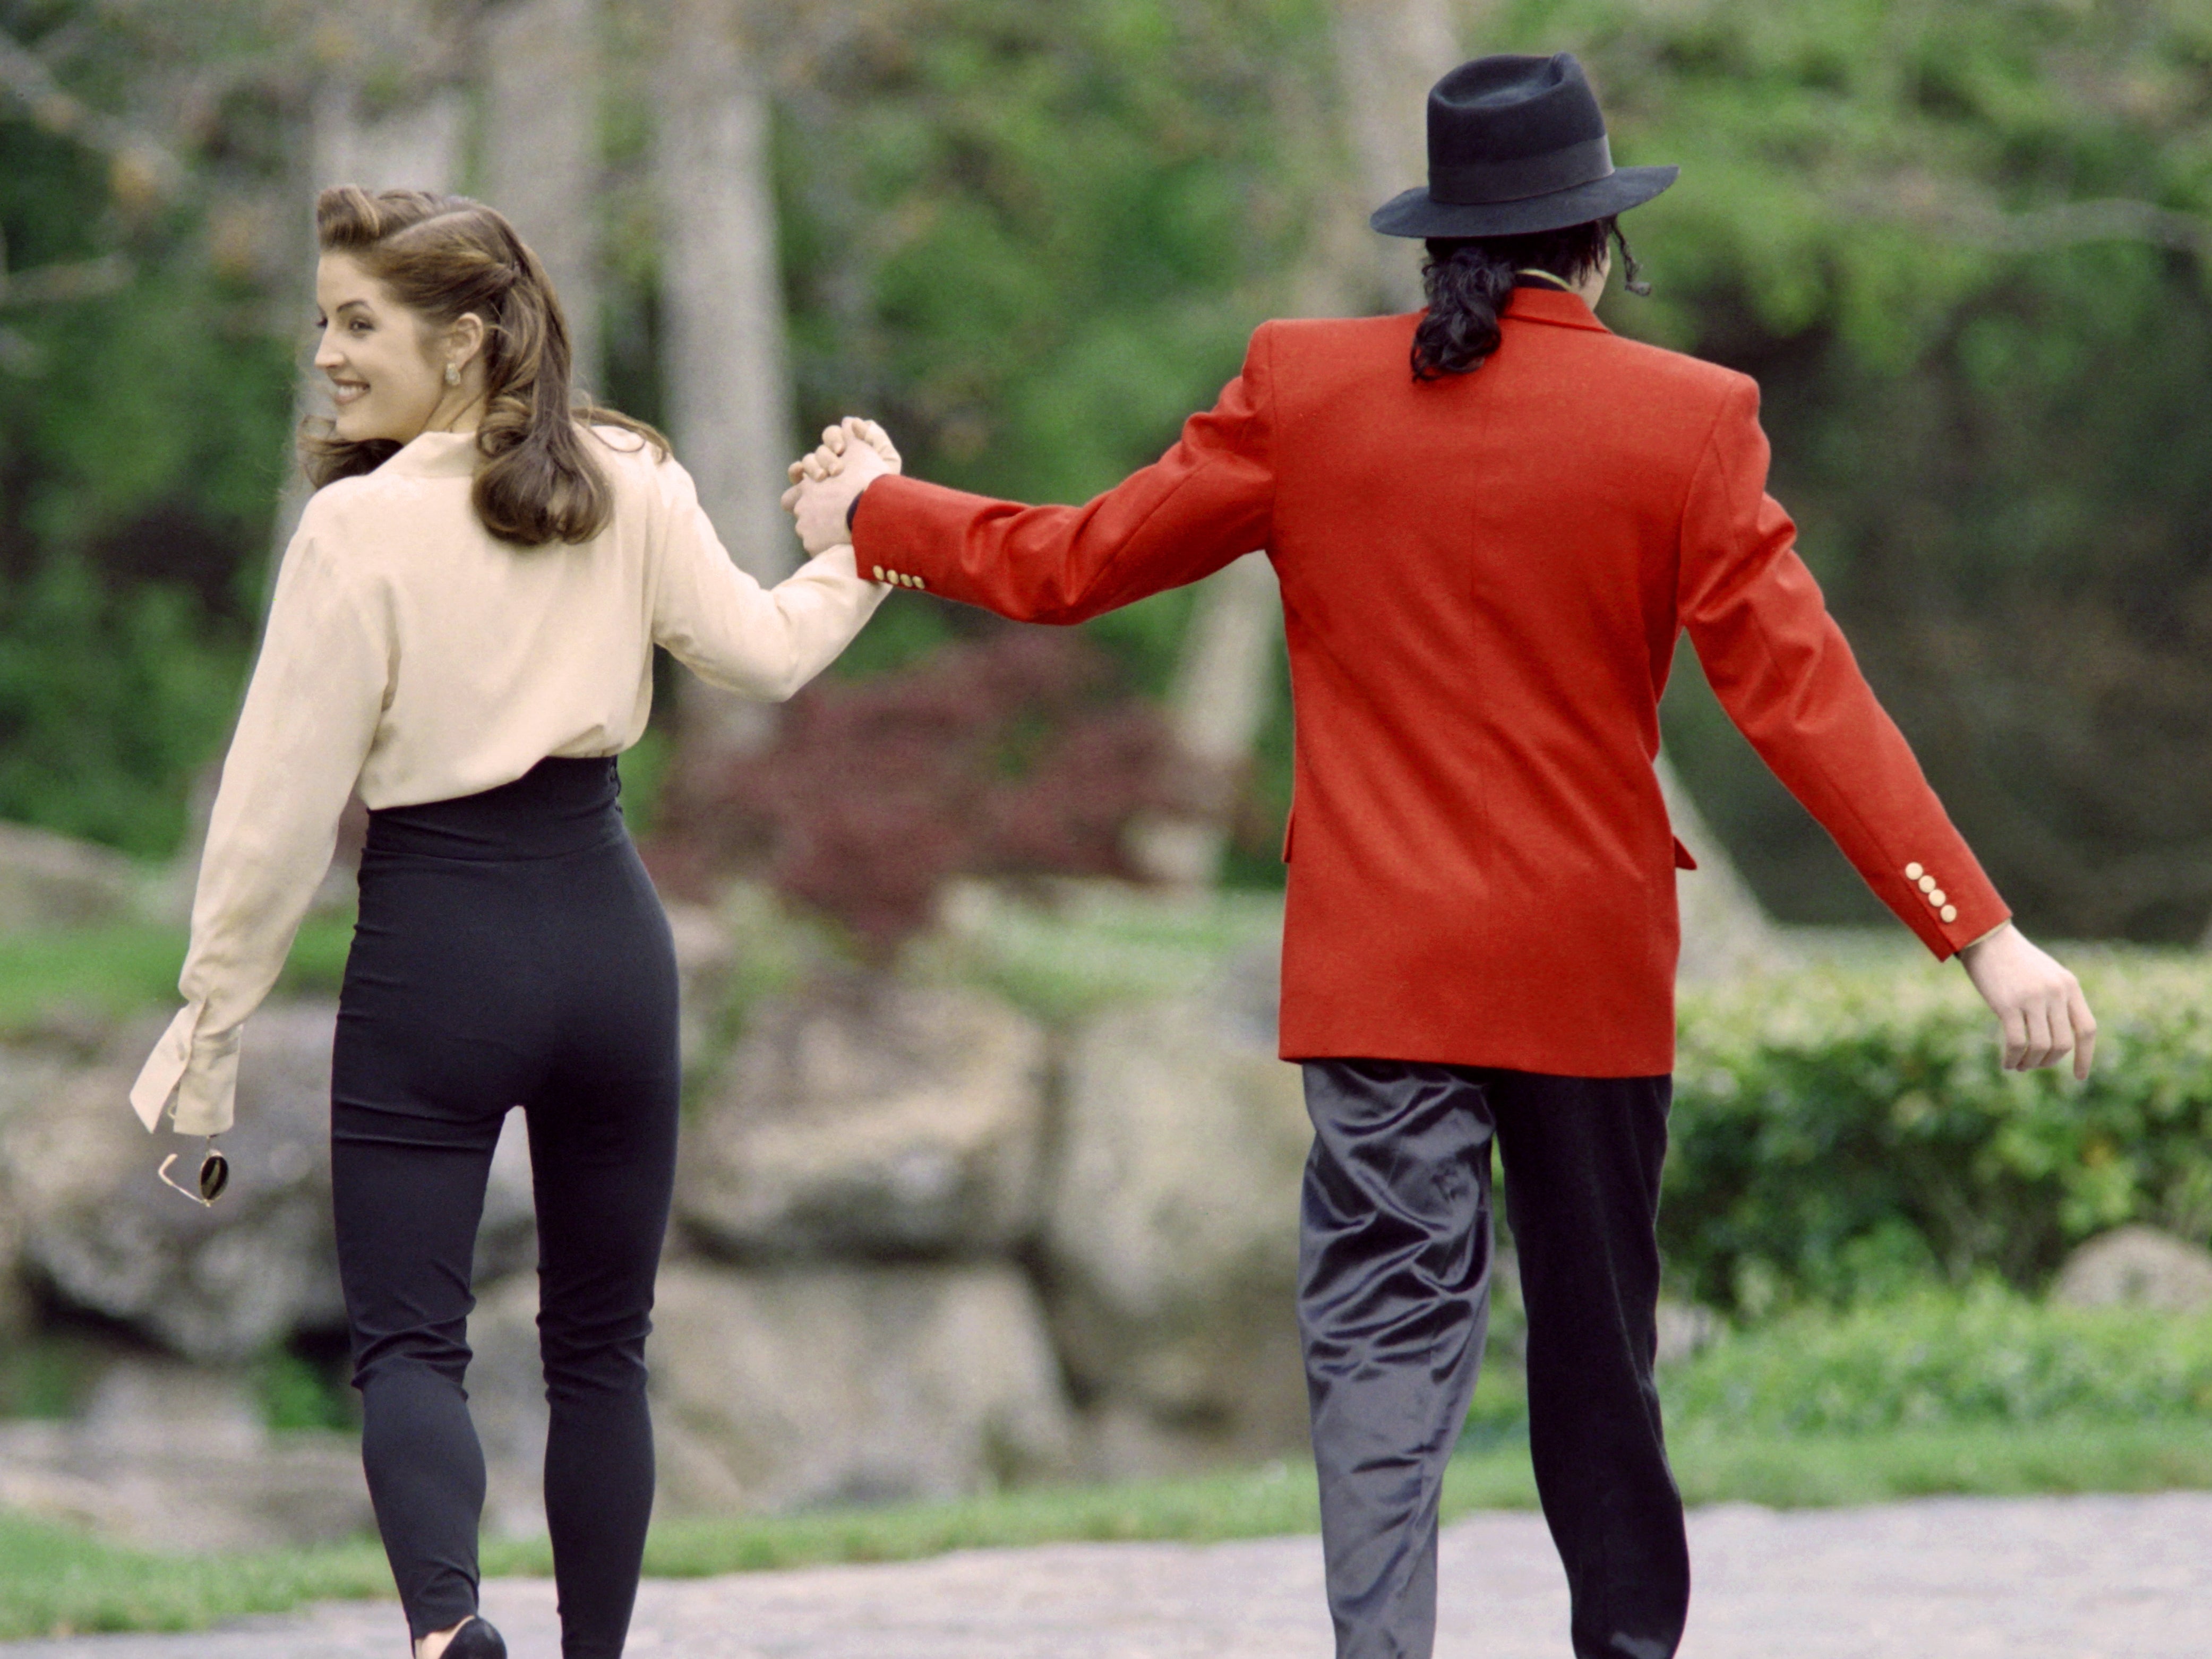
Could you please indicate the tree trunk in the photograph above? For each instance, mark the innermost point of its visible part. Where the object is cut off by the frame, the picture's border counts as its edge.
(727, 374)
(541, 149)
(1725, 930)
(1389, 54)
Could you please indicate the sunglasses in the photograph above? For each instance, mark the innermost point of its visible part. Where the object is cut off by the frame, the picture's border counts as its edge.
(213, 1176)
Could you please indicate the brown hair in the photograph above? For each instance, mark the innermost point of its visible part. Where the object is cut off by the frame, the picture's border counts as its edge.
(444, 257)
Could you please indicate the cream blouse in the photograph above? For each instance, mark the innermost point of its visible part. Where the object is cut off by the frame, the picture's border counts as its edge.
(412, 656)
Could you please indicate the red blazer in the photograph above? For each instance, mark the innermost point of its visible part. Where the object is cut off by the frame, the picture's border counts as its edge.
(1484, 578)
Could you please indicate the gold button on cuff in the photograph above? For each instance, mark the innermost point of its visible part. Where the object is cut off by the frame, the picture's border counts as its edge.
(1912, 871)
(1939, 898)
(921, 584)
(1950, 913)
(879, 574)
(1927, 883)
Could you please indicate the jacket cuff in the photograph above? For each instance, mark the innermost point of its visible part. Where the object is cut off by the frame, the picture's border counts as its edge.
(1948, 909)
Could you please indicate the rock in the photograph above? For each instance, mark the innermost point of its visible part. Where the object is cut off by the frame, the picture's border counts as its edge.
(177, 1458)
(796, 1386)
(897, 1120)
(1173, 1228)
(104, 1235)
(2137, 1266)
(48, 880)
(29, 1077)
(507, 1399)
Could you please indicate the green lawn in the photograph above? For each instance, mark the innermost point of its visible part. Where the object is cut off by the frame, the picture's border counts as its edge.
(113, 972)
(55, 1580)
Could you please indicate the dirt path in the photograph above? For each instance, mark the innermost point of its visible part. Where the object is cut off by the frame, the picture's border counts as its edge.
(2028, 1579)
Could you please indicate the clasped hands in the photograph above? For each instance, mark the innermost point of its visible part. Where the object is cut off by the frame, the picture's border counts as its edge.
(852, 455)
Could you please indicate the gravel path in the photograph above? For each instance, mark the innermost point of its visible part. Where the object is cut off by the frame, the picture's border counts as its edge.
(2027, 1578)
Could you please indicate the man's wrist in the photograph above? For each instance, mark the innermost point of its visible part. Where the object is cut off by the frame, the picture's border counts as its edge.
(1976, 944)
(852, 506)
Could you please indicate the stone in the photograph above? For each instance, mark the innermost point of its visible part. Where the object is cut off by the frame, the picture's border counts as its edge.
(2140, 1267)
(506, 1400)
(800, 1386)
(1172, 1229)
(30, 1076)
(48, 880)
(883, 1118)
(175, 1457)
(101, 1233)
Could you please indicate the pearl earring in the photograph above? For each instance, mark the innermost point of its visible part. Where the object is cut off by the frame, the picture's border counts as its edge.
(452, 376)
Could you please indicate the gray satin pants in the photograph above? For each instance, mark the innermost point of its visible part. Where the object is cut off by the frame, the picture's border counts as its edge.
(1393, 1301)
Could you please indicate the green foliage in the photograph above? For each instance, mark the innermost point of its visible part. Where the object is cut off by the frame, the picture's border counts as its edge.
(110, 701)
(1844, 1134)
(300, 1393)
(1034, 240)
(1934, 1358)
(144, 405)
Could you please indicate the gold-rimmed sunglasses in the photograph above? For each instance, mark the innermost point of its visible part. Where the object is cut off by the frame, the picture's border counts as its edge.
(213, 1176)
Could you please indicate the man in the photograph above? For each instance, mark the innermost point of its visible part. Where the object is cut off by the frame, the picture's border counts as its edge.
(1491, 523)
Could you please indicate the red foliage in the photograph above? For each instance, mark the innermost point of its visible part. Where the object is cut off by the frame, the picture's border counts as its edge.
(1015, 756)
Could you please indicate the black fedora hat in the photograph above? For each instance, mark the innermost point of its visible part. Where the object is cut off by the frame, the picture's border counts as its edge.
(1516, 145)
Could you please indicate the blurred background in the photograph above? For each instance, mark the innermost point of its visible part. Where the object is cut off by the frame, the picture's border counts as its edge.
(990, 1177)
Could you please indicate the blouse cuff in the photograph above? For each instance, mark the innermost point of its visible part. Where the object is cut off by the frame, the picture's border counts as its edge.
(199, 1067)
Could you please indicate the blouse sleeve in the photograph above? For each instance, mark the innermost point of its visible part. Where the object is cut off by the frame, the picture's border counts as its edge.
(763, 642)
(311, 714)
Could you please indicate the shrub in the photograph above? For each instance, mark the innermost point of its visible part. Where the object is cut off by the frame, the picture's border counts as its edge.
(1941, 1357)
(1016, 756)
(1840, 1134)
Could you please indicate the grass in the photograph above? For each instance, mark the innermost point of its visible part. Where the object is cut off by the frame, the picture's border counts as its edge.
(54, 1580)
(113, 972)
(1091, 944)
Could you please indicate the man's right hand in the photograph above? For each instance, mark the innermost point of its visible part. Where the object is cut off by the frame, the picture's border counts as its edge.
(2036, 1000)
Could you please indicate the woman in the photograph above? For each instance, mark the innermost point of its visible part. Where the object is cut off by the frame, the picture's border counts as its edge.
(463, 632)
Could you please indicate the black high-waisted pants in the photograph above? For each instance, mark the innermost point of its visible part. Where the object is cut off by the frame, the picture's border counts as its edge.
(1394, 1300)
(510, 952)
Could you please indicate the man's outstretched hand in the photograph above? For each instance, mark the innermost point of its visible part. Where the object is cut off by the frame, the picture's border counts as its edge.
(853, 455)
(2041, 1005)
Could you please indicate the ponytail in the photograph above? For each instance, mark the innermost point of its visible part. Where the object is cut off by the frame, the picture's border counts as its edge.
(1469, 284)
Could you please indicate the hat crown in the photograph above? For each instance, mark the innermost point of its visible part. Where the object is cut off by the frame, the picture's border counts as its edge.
(1516, 146)
(1511, 108)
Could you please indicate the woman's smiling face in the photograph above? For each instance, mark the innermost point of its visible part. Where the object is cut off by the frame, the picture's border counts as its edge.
(386, 377)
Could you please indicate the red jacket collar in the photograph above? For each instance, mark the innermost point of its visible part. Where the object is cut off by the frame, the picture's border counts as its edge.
(1540, 304)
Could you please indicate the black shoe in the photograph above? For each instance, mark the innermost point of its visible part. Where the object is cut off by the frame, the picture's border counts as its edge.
(476, 1640)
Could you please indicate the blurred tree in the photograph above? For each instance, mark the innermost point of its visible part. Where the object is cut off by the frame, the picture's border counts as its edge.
(1962, 244)
(726, 364)
(542, 81)
(142, 405)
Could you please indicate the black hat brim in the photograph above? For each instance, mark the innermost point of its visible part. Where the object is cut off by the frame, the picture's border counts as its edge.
(1415, 213)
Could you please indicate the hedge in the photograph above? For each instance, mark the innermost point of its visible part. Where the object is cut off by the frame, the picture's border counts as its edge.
(1844, 1132)
(1936, 1357)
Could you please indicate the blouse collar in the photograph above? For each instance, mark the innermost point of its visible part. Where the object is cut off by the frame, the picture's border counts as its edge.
(436, 455)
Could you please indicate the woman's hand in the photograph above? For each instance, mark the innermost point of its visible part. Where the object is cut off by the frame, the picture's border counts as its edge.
(2037, 1002)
